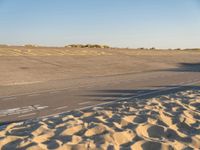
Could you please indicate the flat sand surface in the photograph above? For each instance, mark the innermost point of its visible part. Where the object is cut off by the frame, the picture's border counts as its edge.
(164, 122)
(22, 65)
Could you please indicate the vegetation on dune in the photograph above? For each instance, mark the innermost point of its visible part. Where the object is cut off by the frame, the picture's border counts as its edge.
(30, 46)
(100, 46)
(86, 46)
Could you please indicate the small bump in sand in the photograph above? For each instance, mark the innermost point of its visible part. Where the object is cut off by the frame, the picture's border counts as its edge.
(164, 122)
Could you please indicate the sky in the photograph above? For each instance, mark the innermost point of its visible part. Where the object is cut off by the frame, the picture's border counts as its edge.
(118, 23)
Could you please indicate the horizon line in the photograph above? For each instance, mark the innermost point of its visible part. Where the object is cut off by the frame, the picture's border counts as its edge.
(126, 47)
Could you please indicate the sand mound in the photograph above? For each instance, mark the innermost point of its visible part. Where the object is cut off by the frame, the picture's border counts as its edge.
(165, 122)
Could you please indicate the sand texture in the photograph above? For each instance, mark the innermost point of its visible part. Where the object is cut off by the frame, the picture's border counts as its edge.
(164, 122)
(23, 65)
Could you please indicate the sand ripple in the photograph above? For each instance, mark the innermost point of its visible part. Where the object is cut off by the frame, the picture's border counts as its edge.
(165, 122)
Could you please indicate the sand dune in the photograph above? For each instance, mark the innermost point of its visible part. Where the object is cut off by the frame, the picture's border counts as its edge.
(23, 51)
(165, 122)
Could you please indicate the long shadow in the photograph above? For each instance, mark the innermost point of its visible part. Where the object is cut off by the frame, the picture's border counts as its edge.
(130, 94)
(112, 95)
(186, 67)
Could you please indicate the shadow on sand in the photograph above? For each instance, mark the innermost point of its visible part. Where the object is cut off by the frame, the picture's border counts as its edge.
(112, 95)
(187, 67)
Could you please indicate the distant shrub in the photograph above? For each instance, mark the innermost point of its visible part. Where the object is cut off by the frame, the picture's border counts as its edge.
(177, 49)
(141, 48)
(86, 46)
(153, 48)
(74, 46)
(30, 46)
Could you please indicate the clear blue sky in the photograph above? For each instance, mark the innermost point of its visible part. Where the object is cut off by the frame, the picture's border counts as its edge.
(121, 23)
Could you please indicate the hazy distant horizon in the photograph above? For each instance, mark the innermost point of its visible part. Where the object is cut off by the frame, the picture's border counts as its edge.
(60, 46)
(134, 24)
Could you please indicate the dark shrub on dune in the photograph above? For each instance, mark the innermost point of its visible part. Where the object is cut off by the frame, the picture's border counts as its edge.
(86, 46)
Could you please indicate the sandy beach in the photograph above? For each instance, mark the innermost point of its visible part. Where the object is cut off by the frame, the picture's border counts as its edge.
(164, 122)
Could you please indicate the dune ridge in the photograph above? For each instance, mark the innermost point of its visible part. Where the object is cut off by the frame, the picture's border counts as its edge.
(164, 122)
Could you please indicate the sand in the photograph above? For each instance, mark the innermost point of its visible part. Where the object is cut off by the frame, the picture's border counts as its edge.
(24, 65)
(164, 122)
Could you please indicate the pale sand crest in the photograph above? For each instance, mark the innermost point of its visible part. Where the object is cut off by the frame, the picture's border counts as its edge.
(165, 122)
